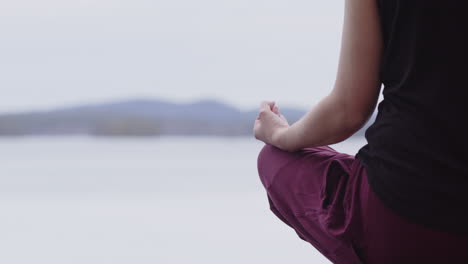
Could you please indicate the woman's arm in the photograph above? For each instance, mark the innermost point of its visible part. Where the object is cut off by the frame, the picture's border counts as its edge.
(357, 87)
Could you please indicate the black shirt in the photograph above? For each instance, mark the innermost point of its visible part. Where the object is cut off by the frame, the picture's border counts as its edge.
(416, 155)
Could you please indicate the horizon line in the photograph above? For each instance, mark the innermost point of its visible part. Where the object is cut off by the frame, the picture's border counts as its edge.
(136, 99)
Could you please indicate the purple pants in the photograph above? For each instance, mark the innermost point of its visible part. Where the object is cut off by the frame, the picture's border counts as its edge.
(325, 197)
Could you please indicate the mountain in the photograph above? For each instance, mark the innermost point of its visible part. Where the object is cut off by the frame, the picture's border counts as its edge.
(139, 118)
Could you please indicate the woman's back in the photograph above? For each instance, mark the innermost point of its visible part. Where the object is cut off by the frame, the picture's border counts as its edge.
(401, 198)
(417, 152)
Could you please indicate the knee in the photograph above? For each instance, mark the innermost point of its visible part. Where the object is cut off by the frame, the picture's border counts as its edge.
(262, 164)
(268, 161)
(263, 156)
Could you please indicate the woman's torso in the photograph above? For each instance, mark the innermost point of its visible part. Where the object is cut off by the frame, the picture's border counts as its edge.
(417, 151)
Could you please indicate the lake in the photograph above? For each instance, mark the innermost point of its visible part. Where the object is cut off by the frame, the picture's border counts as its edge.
(162, 200)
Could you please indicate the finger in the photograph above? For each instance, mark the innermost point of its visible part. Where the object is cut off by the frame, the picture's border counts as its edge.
(272, 104)
(284, 118)
(268, 105)
(276, 110)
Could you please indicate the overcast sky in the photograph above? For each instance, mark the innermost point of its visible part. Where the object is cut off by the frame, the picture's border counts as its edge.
(57, 52)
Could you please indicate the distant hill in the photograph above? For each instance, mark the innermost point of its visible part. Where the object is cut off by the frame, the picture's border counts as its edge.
(140, 118)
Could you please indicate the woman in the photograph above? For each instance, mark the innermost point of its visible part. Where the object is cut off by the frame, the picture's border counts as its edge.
(403, 198)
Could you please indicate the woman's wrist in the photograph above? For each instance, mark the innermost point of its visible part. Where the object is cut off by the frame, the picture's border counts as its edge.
(281, 138)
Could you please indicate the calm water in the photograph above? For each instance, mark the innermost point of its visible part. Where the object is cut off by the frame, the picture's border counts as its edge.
(166, 200)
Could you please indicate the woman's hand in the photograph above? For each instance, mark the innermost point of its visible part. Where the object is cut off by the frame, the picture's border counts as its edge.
(270, 125)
